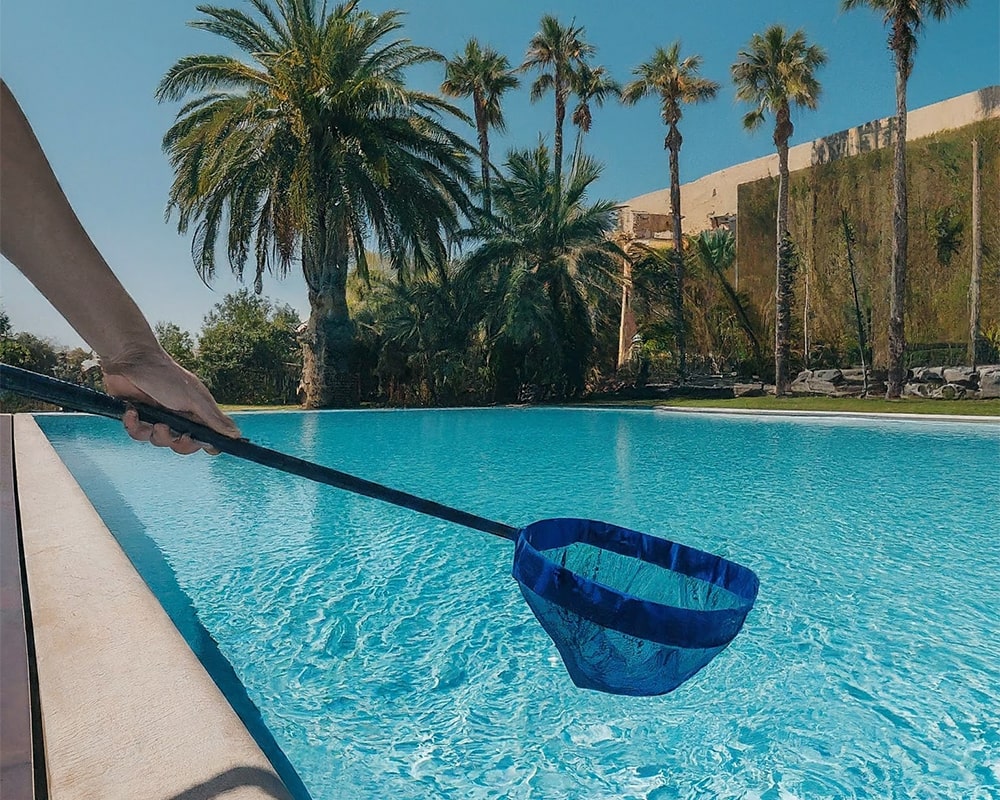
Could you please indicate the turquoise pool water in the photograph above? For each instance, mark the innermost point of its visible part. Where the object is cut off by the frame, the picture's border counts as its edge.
(391, 655)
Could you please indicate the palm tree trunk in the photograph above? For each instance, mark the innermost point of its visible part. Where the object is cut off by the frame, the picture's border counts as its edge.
(977, 256)
(626, 323)
(326, 342)
(674, 141)
(560, 119)
(897, 281)
(782, 290)
(484, 150)
(577, 150)
(859, 319)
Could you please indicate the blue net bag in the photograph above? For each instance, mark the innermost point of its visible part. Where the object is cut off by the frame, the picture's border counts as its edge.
(629, 613)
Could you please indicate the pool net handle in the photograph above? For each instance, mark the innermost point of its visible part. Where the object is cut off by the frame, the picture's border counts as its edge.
(80, 398)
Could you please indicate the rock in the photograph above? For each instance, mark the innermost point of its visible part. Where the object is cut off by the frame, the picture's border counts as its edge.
(834, 376)
(964, 376)
(928, 375)
(989, 382)
(917, 390)
(950, 391)
(814, 386)
(748, 390)
(854, 375)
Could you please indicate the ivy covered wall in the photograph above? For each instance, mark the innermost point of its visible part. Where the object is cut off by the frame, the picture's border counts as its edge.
(940, 251)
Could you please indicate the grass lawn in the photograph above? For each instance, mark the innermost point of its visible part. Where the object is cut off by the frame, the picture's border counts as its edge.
(230, 408)
(979, 408)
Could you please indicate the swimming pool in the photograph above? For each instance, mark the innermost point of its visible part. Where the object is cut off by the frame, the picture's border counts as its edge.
(392, 655)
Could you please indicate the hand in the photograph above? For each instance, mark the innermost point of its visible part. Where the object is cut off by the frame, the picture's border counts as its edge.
(155, 379)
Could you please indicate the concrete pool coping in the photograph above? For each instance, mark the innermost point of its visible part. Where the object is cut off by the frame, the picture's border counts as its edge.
(128, 711)
(802, 414)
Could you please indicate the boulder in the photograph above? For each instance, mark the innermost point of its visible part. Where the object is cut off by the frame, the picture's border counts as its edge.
(928, 375)
(961, 375)
(854, 375)
(913, 389)
(950, 391)
(989, 382)
(748, 390)
(834, 376)
(815, 386)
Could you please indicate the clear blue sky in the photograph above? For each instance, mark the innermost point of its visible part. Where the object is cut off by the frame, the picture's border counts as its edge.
(85, 73)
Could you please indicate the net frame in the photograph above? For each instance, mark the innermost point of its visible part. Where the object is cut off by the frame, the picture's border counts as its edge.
(687, 638)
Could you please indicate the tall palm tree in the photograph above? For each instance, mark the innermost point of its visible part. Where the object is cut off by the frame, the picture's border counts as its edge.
(775, 72)
(557, 52)
(593, 85)
(677, 83)
(308, 148)
(905, 19)
(542, 265)
(484, 75)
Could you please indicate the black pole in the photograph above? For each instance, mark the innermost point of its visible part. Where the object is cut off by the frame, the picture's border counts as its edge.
(80, 398)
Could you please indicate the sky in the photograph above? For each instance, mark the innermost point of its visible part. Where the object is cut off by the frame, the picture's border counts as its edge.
(85, 74)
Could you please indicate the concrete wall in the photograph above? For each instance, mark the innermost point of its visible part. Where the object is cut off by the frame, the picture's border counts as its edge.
(715, 195)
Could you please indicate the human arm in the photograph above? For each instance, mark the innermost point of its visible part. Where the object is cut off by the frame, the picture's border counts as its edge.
(41, 235)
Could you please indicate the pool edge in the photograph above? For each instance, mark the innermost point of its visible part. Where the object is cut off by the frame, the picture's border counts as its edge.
(127, 709)
(800, 413)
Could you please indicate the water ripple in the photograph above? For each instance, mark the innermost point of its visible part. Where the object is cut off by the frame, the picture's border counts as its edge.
(392, 656)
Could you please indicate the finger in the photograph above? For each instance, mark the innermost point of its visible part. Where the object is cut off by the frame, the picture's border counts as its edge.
(162, 436)
(135, 427)
(184, 445)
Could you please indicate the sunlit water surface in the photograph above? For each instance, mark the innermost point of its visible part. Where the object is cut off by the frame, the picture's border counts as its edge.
(391, 655)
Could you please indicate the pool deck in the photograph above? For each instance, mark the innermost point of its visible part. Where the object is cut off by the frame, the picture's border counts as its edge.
(127, 710)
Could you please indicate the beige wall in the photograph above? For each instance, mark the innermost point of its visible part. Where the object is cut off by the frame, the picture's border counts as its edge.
(715, 195)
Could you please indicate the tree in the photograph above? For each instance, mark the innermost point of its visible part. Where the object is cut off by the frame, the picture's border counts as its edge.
(28, 351)
(247, 350)
(591, 85)
(677, 82)
(716, 251)
(557, 52)
(308, 150)
(540, 270)
(178, 344)
(775, 72)
(484, 75)
(420, 341)
(905, 19)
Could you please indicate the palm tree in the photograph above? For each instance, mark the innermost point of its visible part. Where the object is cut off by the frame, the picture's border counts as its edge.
(592, 85)
(677, 82)
(420, 336)
(905, 19)
(716, 250)
(541, 267)
(307, 149)
(557, 52)
(484, 75)
(775, 72)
